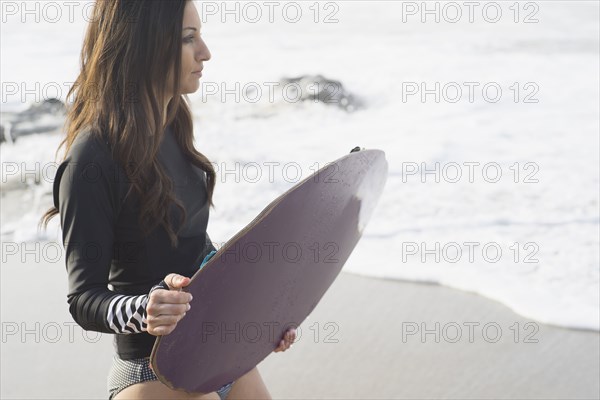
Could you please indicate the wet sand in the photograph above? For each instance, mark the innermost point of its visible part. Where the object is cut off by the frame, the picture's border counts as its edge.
(367, 338)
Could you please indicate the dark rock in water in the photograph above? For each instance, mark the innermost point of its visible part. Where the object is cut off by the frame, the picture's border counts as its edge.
(320, 89)
(39, 118)
(49, 106)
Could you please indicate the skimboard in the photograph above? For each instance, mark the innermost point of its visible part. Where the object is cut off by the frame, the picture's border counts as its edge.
(270, 275)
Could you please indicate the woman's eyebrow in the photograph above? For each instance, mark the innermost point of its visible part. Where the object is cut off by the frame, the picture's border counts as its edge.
(190, 27)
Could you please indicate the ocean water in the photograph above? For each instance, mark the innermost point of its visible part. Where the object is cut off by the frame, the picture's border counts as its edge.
(492, 190)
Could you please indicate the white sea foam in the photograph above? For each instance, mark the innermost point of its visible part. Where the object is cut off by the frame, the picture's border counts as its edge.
(548, 231)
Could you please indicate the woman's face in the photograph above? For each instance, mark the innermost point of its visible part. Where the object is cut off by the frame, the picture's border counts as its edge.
(193, 51)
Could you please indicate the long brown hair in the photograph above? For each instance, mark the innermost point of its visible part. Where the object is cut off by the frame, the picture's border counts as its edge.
(129, 48)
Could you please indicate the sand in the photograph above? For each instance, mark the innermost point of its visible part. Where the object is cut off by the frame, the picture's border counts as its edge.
(357, 343)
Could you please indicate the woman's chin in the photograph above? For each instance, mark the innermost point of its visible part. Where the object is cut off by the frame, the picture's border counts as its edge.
(191, 88)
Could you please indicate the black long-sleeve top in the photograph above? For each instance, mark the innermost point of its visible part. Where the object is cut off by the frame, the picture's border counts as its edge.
(110, 267)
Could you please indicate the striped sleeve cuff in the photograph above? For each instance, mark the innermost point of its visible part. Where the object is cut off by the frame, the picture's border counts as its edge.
(127, 314)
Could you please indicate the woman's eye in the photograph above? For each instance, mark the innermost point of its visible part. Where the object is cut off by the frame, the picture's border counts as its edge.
(188, 39)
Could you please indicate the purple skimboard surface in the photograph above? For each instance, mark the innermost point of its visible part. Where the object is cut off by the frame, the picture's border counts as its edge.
(270, 275)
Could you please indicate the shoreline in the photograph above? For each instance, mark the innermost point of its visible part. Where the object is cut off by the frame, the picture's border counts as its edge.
(433, 283)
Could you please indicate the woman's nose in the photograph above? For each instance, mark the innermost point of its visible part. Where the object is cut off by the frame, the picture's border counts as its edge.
(203, 53)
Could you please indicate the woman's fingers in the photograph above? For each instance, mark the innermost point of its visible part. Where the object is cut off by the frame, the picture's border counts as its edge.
(161, 296)
(164, 319)
(176, 281)
(291, 335)
(288, 339)
(163, 324)
(281, 347)
(166, 308)
(161, 330)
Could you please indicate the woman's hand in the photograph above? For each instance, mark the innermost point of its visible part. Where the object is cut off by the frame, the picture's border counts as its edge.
(287, 341)
(167, 307)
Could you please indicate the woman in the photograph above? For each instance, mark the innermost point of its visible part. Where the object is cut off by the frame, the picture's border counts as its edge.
(133, 193)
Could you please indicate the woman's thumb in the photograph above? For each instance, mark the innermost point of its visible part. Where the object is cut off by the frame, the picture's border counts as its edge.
(176, 281)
